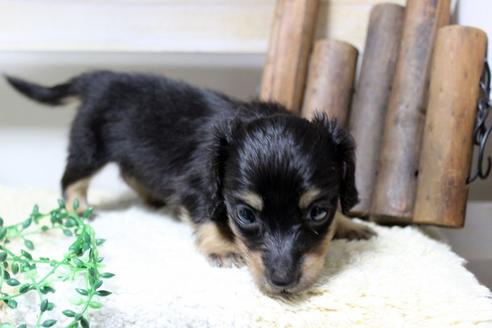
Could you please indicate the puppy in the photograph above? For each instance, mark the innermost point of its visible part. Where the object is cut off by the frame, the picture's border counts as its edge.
(258, 184)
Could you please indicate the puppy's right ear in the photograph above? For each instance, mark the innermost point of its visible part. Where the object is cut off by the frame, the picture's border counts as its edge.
(345, 147)
(218, 149)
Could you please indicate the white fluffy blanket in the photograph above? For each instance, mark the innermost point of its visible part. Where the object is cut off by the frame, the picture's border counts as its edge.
(402, 278)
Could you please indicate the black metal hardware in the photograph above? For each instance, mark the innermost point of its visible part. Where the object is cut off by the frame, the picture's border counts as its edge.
(483, 128)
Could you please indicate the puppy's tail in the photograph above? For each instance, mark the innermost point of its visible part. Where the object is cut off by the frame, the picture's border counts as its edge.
(55, 95)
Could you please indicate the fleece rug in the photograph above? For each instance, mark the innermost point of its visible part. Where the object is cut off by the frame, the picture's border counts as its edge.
(403, 278)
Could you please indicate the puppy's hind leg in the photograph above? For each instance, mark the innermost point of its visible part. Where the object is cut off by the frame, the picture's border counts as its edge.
(141, 191)
(84, 160)
(75, 183)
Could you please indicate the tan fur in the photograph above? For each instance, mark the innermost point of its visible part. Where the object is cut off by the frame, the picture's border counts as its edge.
(212, 242)
(252, 199)
(253, 260)
(312, 266)
(184, 215)
(308, 197)
(314, 261)
(77, 190)
(346, 228)
(137, 187)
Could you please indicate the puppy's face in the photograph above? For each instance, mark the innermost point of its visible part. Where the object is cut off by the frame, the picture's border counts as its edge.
(282, 182)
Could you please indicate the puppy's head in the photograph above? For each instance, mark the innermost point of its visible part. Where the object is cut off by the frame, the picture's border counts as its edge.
(281, 180)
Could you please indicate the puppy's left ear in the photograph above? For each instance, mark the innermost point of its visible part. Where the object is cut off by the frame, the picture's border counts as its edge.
(345, 148)
(217, 153)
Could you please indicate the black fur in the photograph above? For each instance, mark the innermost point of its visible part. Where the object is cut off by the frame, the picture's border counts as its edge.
(197, 148)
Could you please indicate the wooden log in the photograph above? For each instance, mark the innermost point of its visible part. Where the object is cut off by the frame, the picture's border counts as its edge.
(330, 80)
(447, 142)
(394, 194)
(371, 97)
(284, 74)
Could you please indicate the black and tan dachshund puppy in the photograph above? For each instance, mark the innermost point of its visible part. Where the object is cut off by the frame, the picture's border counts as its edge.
(257, 183)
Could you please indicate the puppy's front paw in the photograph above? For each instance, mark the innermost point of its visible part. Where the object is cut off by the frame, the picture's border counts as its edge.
(347, 229)
(227, 260)
(214, 244)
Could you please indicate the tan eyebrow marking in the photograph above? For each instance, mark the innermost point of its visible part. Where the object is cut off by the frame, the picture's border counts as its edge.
(308, 196)
(252, 199)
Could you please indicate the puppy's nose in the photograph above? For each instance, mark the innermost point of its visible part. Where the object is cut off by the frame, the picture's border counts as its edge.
(282, 279)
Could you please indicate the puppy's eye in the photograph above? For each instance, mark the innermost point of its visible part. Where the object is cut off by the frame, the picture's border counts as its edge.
(317, 213)
(246, 216)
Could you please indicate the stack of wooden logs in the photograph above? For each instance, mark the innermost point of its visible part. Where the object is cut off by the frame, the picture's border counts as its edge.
(413, 109)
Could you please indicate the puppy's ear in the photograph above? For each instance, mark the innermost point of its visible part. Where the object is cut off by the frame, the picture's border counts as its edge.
(345, 148)
(217, 153)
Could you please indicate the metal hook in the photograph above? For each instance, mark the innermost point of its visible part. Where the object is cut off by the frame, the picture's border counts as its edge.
(481, 132)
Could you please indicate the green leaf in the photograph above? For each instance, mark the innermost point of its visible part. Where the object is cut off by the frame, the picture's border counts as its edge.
(50, 307)
(44, 305)
(69, 223)
(78, 263)
(49, 323)
(35, 210)
(75, 204)
(3, 256)
(107, 275)
(98, 284)
(93, 273)
(25, 267)
(99, 242)
(3, 232)
(87, 213)
(45, 228)
(24, 288)
(47, 289)
(61, 203)
(81, 291)
(67, 232)
(1, 222)
(29, 244)
(95, 305)
(6, 275)
(22, 326)
(15, 268)
(26, 223)
(12, 304)
(87, 238)
(26, 254)
(103, 293)
(69, 313)
(12, 282)
(84, 323)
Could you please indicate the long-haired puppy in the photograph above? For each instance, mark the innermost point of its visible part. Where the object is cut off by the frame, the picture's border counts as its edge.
(259, 184)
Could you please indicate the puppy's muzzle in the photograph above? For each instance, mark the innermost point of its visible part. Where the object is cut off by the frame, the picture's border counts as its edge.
(282, 272)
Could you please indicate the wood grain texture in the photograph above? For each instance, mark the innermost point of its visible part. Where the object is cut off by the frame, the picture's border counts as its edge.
(284, 73)
(330, 80)
(394, 194)
(371, 97)
(447, 142)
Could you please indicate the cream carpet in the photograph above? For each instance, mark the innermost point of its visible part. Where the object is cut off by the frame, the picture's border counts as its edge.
(402, 278)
